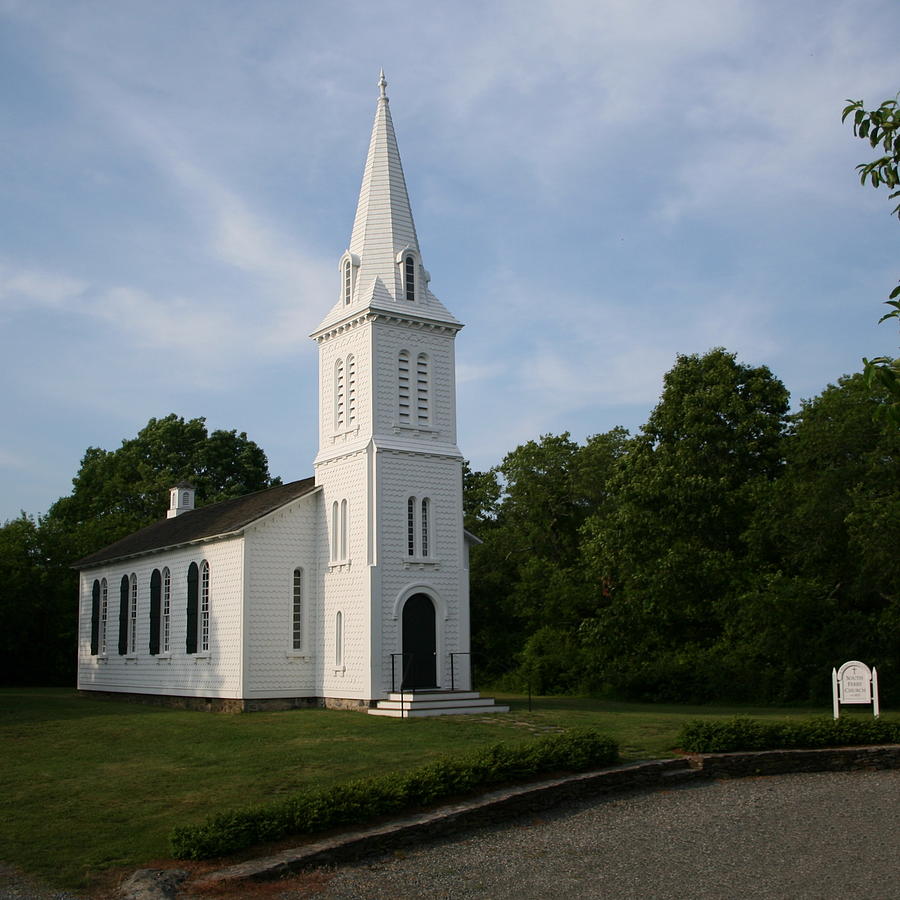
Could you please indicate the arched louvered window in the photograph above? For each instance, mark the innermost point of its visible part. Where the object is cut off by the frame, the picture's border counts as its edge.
(345, 529)
(339, 395)
(339, 639)
(426, 513)
(403, 387)
(351, 391)
(124, 591)
(411, 526)
(297, 611)
(166, 619)
(348, 282)
(204, 607)
(193, 605)
(95, 618)
(409, 269)
(104, 614)
(423, 414)
(155, 610)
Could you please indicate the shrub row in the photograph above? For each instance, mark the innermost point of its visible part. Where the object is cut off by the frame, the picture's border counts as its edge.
(741, 734)
(354, 802)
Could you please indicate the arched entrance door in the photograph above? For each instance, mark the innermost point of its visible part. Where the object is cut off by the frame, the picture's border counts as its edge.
(419, 644)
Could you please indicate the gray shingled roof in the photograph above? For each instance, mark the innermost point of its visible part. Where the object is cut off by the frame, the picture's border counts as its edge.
(207, 521)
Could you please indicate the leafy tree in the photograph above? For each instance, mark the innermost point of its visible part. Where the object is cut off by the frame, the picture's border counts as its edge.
(118, 491)
(832, 523)
(881, 127)
(670, 552)
(525, 577)
(38, 624)
(114, 493)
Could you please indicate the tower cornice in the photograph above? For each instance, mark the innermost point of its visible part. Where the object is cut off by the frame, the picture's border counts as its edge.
(409, 319)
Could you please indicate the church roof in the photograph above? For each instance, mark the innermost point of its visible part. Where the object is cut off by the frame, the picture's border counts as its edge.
(383, 229)
(217, 519)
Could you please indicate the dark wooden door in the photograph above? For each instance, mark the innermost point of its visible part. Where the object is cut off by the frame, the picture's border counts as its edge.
(419, 644)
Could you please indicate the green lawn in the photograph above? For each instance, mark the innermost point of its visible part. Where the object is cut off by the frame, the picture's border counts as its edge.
(90, 785)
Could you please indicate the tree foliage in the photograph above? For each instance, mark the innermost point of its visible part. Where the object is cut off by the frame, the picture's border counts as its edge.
(881, 128)
(728, 551)
(114, 493)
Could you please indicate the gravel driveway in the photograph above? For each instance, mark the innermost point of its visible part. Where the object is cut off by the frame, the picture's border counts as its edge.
(824, 836)
(834, 835)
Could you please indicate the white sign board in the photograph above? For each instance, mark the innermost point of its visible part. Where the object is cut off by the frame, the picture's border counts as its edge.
(854, 682)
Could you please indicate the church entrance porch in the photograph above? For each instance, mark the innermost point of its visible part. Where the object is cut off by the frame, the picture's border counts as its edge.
(419, 644)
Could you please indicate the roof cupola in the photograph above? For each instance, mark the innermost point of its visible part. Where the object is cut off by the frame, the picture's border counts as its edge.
(181, 499)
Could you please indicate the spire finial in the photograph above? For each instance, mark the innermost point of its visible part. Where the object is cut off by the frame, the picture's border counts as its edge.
(382, 83)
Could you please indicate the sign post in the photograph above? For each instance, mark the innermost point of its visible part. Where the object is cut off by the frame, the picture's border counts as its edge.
(855, 683)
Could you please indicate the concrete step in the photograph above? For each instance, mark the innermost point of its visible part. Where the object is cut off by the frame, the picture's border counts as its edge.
(419, 712)
(416, 704)
(416, 696)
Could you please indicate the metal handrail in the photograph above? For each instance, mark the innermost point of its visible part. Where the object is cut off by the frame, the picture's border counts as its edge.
(404, 672)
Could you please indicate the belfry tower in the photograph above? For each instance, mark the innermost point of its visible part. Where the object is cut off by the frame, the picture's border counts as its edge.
(395, 591)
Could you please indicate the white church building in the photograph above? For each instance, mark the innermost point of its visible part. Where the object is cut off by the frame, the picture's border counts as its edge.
(347, 589)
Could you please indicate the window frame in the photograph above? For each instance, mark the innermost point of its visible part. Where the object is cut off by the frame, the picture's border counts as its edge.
(409, 277)
(103, 649)
(419, 529)
(339, 639)
(203, 618)
(297, 611)
(132, 615)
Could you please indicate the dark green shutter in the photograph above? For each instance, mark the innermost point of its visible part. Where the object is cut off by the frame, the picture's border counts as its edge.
(193, 584)
(95, 618)
(123, 616)
(155, 592)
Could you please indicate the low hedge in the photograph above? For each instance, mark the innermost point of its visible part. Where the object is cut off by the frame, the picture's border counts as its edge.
(355, 802)
(742, 734)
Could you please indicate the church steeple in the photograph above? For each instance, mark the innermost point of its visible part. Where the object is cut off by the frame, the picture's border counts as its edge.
(383, 226)
(383, 264)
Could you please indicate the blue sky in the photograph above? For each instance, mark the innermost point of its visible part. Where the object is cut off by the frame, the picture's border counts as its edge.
(597, 186)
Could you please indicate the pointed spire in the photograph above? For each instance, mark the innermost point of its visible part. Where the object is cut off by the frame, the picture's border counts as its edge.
(383, 230)
(384, 225)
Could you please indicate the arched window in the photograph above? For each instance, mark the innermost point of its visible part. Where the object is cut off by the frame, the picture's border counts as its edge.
(426, 512)
(345, 527)
(204, 607)
(193, 604)
(104, 614)
(297, 623)
(418, 527)
(422, 411)
(339, 398)
(95, 618)
(155, 610)
(403, 386)
(409, 269)
(335, 532)
(351, 390)
(124, 586)
(339, 639)
(132, 617)
(165, 623)
(348, 282)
